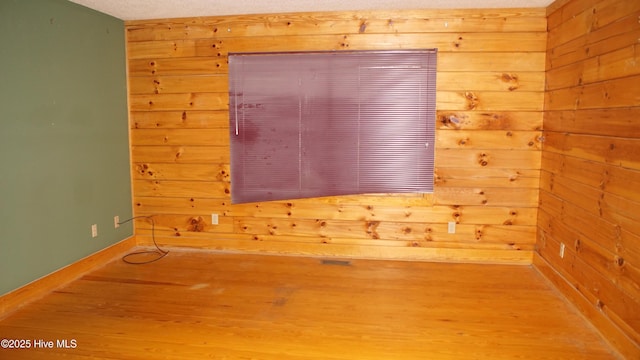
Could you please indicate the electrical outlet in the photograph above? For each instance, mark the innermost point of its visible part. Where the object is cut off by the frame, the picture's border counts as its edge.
(214, 219)
(562, 250)
(451, 227)
(94, 230)
(116, 221)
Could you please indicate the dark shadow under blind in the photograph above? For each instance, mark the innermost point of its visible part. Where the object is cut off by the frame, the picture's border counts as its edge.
(331, 123)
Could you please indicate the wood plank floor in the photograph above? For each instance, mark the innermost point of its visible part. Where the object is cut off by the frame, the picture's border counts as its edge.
(207, 305)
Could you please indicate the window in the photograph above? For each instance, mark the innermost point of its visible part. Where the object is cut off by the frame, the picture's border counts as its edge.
(331, 123)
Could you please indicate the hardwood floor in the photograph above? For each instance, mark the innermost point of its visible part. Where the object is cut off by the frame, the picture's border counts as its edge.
(207, 305)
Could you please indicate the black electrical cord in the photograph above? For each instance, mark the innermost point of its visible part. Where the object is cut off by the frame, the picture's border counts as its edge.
(160, 252)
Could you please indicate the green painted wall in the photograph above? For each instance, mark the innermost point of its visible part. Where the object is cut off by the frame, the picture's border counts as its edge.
(64, 152)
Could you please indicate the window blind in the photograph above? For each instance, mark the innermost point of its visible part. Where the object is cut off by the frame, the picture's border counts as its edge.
(331, 123)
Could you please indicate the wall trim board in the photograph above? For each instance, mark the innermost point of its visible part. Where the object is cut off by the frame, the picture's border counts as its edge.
(611, 333)
(452, 255)
(16, 299)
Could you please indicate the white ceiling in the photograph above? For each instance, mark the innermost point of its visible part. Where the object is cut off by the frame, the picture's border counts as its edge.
(162, 9)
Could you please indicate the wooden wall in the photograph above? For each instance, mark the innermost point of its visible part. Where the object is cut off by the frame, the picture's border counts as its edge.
(590, 183)
(489, 119)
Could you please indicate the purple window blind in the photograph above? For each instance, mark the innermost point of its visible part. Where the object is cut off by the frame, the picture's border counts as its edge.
(331, 123)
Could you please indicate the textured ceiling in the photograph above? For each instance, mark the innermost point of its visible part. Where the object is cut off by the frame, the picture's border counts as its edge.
(161, 9)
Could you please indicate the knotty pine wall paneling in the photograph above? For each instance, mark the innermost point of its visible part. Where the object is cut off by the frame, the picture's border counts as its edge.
(590, 182)
(490, 96)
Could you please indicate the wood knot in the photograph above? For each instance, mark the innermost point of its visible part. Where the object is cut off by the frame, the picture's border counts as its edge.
(196, 224)
(372, 224)
(451, 120)
(483, 159)
(512, 80)
(599, 304)
(371, 227)
(472, 100)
